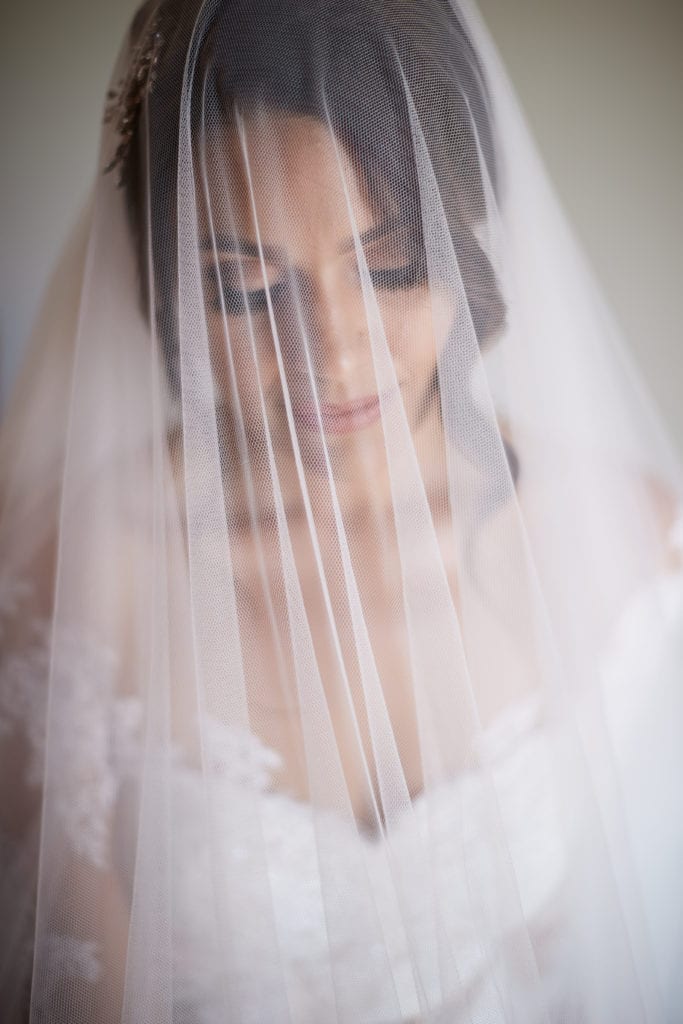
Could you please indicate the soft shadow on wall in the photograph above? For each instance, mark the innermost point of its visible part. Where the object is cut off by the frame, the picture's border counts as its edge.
(601, 82)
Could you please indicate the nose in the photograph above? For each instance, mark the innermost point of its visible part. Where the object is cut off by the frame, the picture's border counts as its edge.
(336, 334)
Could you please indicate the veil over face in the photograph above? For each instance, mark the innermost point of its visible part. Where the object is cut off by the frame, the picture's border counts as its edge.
(339, 592)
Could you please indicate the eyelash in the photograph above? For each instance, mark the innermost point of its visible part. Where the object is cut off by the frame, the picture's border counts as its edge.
(392, 279)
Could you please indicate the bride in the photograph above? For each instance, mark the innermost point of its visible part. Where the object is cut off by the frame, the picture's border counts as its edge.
(340, 591)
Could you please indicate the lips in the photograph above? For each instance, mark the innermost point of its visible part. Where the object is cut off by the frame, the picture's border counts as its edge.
(339, 418)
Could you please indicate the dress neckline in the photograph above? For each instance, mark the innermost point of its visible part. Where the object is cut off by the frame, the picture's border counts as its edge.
(494, 744)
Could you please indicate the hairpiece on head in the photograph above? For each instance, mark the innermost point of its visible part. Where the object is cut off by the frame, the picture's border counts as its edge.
(124, 102)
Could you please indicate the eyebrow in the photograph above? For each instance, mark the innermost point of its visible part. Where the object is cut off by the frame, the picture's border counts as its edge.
(273, 254)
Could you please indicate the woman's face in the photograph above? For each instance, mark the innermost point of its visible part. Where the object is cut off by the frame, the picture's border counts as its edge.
(284, 209)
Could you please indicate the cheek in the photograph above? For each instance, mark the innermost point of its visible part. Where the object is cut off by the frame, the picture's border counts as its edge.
(443, 316)
(240, 366)
(417, 329)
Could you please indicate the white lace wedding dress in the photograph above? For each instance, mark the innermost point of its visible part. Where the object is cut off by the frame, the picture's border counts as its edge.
(643, 703)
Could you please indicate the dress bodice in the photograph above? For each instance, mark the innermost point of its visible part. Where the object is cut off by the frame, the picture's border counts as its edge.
(389, 958)
(430, 920)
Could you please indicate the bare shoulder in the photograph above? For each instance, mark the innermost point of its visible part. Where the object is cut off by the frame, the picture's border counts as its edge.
(667, 510)
(616, 501)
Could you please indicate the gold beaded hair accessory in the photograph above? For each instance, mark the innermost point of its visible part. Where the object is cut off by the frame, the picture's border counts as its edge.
(124, 102)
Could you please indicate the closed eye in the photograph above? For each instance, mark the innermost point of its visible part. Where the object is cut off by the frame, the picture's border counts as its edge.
(410, 275)
(228, 289)
(237, 301)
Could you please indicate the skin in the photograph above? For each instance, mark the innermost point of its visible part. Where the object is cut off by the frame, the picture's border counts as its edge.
(285, 190)
(313, 229)
(285, 185)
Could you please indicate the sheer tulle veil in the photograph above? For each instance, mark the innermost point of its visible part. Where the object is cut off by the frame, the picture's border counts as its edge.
(340, 584)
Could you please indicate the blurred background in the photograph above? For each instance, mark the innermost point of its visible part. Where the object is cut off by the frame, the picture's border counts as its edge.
(601, 82)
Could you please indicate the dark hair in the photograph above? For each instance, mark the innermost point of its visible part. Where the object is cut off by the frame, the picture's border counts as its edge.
(342, 59)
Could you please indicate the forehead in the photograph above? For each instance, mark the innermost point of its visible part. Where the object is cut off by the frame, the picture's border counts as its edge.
(286, 180)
